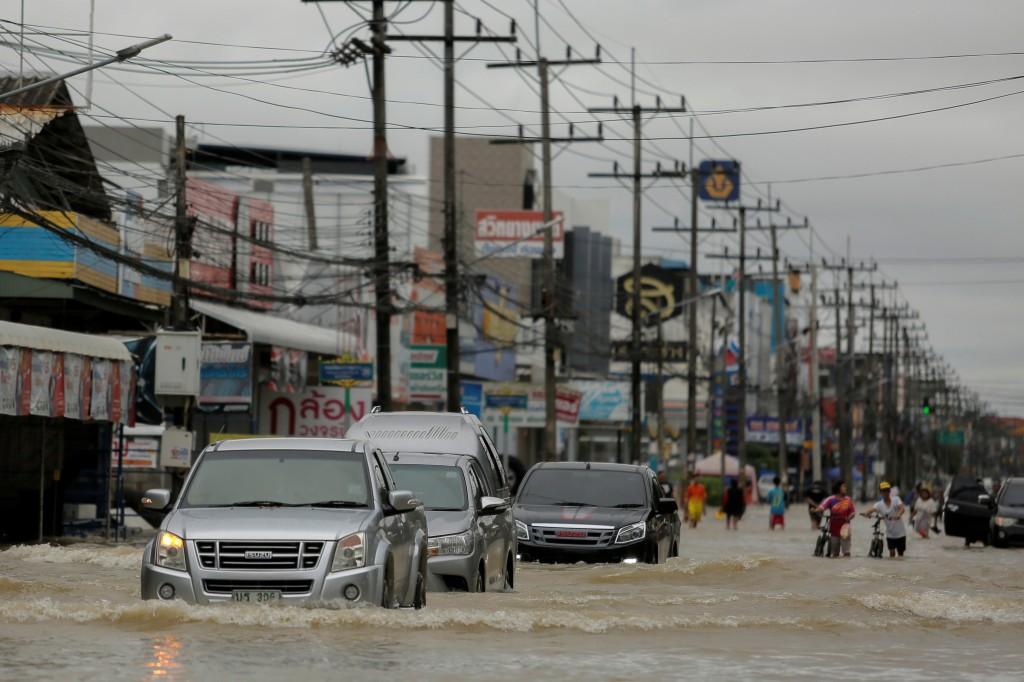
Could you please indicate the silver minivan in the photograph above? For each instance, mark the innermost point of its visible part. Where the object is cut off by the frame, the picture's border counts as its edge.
(472, 543)
(290, 520)
(446, 433)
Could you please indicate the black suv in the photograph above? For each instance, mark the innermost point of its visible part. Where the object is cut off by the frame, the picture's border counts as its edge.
(1008, 521)
(572, 511)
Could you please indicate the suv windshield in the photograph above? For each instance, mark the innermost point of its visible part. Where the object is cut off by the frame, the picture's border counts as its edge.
(1013, 495)
(441, 488)
(279, 477)
(584, 488)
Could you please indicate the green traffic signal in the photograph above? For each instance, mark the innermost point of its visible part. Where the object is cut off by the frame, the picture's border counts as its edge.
(926, 407)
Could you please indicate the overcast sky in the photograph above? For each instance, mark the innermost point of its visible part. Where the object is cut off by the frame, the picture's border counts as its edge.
(922, 227)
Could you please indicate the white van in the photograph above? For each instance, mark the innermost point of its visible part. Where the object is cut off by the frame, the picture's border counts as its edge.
(446, 433)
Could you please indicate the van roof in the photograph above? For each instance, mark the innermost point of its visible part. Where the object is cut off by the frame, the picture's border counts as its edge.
(289, 443)
(430, 432)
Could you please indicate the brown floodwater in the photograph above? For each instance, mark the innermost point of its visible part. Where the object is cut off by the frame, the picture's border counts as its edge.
(734, 606)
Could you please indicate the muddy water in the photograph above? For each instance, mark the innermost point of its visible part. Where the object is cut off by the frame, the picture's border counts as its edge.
(736, 605)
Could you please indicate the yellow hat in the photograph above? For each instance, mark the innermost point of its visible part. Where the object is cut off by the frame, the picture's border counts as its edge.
(884, 485)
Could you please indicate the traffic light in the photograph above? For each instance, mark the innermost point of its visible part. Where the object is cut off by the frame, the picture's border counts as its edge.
(926, 406)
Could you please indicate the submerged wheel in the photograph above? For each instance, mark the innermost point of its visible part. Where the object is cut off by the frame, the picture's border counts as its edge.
(388, 588)
(421, 592)
(510, 574)
(481, 579)
(652, 554)
(673, 552)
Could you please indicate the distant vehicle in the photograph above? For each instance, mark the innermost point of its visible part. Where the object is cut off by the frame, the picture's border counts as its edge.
(571, 511)
(967, 510)
(446, 433)
(1008, 520)
(472, 543)
(765, 484)
(292, 520)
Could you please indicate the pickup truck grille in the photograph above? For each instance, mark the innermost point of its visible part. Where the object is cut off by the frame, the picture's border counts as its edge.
(572, 536)
(258, 555)
(282, 586)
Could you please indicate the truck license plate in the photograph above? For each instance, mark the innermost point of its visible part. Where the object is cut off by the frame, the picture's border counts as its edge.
(255, 596)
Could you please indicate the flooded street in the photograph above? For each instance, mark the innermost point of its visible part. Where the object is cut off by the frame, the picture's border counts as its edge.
(735, 605)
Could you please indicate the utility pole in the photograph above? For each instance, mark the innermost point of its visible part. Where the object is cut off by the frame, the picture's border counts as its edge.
(662, 457)
(815, 381)
(549, 297)
(451, 225)
(741, 287)
(183, 228)
(307, 195)
(636, 113)
(382, 251)
(693, 287)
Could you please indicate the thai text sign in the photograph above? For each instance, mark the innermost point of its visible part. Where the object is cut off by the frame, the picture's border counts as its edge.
(225, 373)
(317, 411)
(516, 233)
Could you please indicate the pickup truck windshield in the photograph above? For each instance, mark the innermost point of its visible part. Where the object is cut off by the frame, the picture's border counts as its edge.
(1013, 495)
(279, 478)
(441, 488)
(583, 488)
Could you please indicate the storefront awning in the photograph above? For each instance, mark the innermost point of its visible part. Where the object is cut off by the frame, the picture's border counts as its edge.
(59, 341)
(279, 331)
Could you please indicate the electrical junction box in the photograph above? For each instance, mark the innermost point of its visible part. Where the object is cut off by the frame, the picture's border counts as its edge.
(176, 448)
(177, 364)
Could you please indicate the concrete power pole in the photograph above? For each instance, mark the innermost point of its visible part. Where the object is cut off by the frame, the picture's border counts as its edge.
(183, 228)
(636, 113)
(307, 195)
(451, 223)
(382, 251)
(550, 295)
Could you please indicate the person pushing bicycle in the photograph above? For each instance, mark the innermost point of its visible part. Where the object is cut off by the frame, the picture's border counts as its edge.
(891, 509)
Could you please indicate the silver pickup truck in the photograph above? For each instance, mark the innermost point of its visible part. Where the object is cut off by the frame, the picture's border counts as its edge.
(290, 519)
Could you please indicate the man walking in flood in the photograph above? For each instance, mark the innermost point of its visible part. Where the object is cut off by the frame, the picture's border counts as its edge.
(842, 512)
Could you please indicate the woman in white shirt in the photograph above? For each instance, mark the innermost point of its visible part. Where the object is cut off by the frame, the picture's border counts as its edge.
(922, 512)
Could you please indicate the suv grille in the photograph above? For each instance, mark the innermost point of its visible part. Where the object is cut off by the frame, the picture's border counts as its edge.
(258, 555)
(283, 586)
(572, 536)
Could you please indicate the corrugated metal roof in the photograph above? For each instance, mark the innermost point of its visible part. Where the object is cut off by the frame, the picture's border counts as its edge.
(60, 341)
(20, 124)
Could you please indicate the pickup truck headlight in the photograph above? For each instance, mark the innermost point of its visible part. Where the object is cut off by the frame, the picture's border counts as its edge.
(444, 545)
(631, 533)
(170, 551)
(1004, 521)
(350, 553)
(522, 532)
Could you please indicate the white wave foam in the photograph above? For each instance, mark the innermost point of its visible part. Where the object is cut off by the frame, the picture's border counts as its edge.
(107, 557)
(156, 613)
(689, 567)
(949, 606)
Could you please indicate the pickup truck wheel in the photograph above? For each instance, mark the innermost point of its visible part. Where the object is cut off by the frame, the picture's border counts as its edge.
(652, 553)
(387, 590)
(481, 580)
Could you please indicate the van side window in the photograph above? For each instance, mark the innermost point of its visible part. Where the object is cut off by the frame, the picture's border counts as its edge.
(495, 460)
(477, 487)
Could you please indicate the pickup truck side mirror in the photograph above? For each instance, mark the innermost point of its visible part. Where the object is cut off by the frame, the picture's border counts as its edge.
(157, 499)
(492, 505)
(403, 500)
(667, 505)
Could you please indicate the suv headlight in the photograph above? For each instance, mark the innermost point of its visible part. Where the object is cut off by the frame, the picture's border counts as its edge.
(170, 551)
(631, 533)
(522, 532)
(443, 545)
(350, 553)
(1004, 521)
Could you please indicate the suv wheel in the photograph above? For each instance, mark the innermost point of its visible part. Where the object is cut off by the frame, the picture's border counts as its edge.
(387, 590)
(421, 591)
(510, 574)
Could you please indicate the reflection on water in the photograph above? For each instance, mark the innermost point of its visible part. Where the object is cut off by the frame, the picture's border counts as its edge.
(163, 662)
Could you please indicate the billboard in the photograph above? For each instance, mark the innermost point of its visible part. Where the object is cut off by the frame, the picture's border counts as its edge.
(661, 293)
(317, 411)
(607, 401)
(495, 318)
(516, 233)
(225, 373)
(428, 373)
